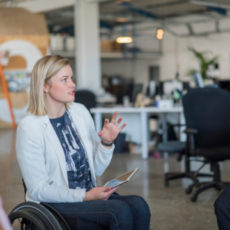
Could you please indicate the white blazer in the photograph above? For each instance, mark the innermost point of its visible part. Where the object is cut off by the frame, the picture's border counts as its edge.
(42, 160)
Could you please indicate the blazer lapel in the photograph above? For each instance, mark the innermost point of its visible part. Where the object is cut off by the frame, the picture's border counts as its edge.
(51, 139)
(79, 123)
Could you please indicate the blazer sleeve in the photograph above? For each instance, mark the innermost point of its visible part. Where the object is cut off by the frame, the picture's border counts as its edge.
(102, 155)
(30, 149)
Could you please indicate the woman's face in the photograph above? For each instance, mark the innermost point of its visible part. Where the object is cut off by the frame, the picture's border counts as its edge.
(60, 89)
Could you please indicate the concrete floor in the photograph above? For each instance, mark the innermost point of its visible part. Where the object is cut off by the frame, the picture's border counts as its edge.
(171, 208)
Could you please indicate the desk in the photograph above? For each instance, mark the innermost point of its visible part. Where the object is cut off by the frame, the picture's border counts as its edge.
(142, 114)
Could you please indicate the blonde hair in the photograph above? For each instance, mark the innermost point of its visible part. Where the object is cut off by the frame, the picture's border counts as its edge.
(43, 71)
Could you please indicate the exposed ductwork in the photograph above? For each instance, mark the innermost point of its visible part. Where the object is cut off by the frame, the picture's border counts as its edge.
(225, 4)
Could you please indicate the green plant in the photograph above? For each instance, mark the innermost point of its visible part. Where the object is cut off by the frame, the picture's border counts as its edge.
(204, 61)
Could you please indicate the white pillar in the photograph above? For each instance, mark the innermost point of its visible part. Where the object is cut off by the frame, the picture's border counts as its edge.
(88, 62)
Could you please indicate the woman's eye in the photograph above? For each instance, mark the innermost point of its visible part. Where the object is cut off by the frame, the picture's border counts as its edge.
(72, 78)
(64, 80)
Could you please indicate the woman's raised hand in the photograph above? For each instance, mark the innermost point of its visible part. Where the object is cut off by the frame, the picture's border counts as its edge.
(111, 129)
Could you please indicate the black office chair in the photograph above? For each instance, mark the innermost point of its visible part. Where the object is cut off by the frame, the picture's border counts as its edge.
(86, 97)
(207, 113)
(172, 147)
(179, 148)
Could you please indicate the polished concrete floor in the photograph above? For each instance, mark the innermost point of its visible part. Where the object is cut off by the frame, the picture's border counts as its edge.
(171, 208)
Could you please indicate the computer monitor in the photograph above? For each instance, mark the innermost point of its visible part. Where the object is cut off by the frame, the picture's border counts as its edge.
(186, 85)
(170, 86)
(160, 88)
(137, 88)
(224, 84)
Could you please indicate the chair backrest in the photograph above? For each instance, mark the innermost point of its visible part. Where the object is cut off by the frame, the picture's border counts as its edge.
(86, 97)
(208, 111)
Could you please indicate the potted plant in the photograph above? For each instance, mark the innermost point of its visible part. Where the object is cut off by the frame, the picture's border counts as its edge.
(204, 60)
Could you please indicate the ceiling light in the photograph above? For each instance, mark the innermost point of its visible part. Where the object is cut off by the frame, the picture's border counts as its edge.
(160, 34)
(125, 39)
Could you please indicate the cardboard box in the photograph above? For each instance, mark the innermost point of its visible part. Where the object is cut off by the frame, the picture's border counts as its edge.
(110, 46)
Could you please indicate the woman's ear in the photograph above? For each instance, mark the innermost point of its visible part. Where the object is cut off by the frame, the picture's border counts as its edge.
(46, 88)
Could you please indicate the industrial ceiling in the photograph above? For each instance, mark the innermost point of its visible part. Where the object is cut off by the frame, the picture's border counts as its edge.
(179, 17)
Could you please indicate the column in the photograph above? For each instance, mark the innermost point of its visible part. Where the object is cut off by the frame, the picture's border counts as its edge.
(87, 38)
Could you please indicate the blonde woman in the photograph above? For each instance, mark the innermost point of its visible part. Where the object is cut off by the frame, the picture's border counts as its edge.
(60, 154)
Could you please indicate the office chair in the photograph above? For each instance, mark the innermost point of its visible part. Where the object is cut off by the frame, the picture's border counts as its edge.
(86, 97)
(171, 147)
(207, 113)
(180, 148)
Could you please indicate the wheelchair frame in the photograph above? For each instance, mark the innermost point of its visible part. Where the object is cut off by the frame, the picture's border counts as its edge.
(34, 216)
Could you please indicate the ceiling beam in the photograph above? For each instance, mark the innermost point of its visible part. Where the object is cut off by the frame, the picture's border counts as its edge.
(99, 1)
(205, 34)
(40, 6)
(215, 3)
(167, 4)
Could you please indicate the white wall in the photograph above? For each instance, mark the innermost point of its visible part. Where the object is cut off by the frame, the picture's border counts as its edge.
(177, 49)
(137, 69)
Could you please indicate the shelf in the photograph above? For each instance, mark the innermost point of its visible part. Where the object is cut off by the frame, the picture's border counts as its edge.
(112, 55)
(71, 54)
(67, 54)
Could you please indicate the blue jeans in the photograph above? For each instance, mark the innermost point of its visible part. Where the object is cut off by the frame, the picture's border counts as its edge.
(116, 213)
(222, 209)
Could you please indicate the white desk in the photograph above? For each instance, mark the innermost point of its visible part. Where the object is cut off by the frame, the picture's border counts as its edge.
(142, 114)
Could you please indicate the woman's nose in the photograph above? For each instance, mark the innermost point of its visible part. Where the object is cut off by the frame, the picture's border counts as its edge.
(72, 84)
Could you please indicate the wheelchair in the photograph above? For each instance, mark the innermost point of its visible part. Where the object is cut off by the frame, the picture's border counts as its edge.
(41, 216)
(34, 216)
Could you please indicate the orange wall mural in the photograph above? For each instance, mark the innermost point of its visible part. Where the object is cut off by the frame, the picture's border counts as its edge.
(24, 37)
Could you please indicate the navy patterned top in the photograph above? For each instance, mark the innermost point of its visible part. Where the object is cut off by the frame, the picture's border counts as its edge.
(78, 171)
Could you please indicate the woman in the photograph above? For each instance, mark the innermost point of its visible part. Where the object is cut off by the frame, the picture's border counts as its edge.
(60, 154)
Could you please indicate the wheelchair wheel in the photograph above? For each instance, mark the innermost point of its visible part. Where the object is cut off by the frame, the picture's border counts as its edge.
(25, 221)
(33, 216)
(58, 216)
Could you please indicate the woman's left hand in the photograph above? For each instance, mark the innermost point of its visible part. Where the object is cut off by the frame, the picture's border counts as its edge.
(111, 128)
